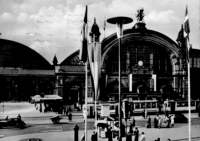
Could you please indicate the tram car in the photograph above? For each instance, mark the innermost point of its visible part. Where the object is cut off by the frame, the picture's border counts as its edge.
(153, 106)
(138, 107)
(113, 107)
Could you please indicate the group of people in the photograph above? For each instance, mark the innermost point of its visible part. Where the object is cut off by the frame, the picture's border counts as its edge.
(17, 121)
(19, 118)
(137, 135)
(168, 120)
(93, 137)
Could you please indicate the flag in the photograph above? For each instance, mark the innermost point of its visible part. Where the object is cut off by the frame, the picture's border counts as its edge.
(186, 24)
(186, 29)
(94, 54)
(84, 51)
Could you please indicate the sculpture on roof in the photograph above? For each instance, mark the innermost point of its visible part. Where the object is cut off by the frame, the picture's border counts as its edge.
(140, 14)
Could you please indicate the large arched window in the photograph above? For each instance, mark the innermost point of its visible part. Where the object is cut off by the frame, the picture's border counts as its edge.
(153, 56)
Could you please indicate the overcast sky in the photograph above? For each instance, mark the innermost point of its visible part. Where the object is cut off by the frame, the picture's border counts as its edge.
(53, 26)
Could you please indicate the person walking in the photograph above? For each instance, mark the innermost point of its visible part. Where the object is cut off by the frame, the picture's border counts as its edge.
(143, 113)
(131, 128)
(70, 116)
(172, 120)
(136, 134)
(19, 117)
(133, 122)
(93, 137)
(6, 118)
(149, 122)
(83, 137)
(143, 137)
(159, 122)
(155, 122)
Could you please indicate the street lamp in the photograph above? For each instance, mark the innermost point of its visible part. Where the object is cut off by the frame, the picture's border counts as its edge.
(119, 21)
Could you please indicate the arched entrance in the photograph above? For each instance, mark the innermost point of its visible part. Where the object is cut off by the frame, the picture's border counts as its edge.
(72, 93)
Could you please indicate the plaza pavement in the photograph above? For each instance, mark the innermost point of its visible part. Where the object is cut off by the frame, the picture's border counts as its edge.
(33, 116)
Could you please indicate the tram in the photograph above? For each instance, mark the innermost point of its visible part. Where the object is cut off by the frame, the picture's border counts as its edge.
(151, 106)
(91, 106)
(156, 106)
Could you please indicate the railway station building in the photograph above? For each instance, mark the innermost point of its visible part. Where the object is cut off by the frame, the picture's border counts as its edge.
(153, 66)
(23, 72)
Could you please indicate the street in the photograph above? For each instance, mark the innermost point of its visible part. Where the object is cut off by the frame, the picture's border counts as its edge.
(39, 125)
(65, 126)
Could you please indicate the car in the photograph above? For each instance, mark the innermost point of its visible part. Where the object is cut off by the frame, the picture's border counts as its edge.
(12, 122)
(180, 118)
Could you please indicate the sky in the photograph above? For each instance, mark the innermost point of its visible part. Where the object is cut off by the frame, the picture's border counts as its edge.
(53, 27)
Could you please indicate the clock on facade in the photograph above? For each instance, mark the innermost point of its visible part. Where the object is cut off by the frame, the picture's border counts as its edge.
(140, 63)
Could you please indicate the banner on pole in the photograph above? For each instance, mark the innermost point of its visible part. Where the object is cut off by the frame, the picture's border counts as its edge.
(94, 54)
(130, 82)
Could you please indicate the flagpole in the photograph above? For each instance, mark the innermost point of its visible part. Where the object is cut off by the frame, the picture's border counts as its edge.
(189, 96)
(86, 91)
(186, 35)
(95, 89)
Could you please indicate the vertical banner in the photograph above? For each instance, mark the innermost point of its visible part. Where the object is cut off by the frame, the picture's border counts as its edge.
(154, 77)
(94, 54)
(130, 82)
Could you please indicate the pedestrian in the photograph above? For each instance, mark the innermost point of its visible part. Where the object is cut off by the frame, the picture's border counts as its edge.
(133, 122)
(19, 117)
(123, 130)
(19, 120)
(70, 116)
(149, 122)
(159, 122)
(109, 134)
(142, 137)
(143, 113)
(64, 111)
(6, 118)
(155, 122)
(198, 108)
(172, 120)
(169, 122)
(131, 128)
(83, 137)
(93, 137)
(136, 134)
(166, 104)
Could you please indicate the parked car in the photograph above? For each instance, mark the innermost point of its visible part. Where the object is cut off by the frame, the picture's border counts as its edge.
(180, 118)
(12, 122)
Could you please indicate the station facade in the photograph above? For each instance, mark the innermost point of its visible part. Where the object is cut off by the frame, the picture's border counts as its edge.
(153, 66)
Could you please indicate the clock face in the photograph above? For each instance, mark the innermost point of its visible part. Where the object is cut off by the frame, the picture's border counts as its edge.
(140, 63)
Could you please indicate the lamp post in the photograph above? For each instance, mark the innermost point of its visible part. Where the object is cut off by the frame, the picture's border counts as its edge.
(119, 21)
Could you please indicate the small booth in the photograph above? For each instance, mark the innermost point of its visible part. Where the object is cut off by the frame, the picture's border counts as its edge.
(47, 103)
